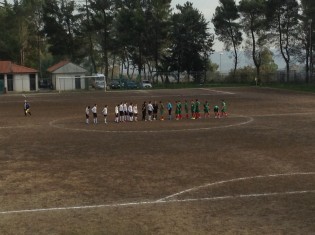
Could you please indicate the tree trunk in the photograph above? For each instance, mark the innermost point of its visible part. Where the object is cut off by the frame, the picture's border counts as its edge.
(257, 61)
(307, 68)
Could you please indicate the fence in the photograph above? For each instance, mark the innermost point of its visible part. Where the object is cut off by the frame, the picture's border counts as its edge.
(217, 77)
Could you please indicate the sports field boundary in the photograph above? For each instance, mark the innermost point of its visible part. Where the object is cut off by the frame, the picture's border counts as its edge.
(168, 199)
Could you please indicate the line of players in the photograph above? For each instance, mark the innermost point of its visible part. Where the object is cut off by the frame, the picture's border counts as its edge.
(125, 112)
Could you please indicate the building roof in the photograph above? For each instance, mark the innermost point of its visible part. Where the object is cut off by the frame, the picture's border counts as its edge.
(8, 67)
(66, 67)
(58, 66)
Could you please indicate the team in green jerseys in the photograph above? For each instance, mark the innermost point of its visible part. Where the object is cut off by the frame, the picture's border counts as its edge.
(194, 110)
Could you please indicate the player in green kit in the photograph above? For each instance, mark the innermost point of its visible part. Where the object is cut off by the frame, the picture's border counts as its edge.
(161, 111)
(206, 110)
(223, 109)
(176, 110)
(193, 109)
(197, 110)
(179, 104)
(216, 111)
(186, 109)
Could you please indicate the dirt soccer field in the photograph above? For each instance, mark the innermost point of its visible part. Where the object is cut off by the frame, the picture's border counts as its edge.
(250, 173)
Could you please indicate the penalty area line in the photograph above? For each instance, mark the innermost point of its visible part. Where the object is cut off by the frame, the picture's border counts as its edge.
(130, 204)
(236, 180)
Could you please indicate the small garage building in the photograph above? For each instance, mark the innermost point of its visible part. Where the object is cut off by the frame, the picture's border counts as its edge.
(66, 75)
(18, 78)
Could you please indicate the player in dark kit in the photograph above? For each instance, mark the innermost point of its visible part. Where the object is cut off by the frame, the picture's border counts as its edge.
(186, 109)
(27, 108)
(144, 110)
(155, 110)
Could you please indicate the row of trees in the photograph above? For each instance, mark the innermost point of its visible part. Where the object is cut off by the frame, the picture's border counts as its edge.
(282, 24)
(148, 35)
(100, 34)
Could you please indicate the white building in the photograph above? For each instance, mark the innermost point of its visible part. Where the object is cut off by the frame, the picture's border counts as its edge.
(18, 78)
(66, 75)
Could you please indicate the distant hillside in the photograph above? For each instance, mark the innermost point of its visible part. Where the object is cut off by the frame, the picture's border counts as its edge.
(227, 62)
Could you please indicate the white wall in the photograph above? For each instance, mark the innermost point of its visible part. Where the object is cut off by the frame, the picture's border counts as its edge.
(64, 82)
(21, 82)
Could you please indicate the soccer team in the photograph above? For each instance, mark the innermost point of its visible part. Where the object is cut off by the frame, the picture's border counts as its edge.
(128, 112)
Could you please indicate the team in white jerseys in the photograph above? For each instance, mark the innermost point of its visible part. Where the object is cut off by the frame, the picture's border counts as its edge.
(125, 112)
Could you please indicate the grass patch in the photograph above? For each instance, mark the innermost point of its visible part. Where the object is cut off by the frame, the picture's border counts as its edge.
(294, 87)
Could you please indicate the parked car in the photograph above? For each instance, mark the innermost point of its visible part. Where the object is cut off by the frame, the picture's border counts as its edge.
(45, 83)
(115, 84)
(99, 84)
(146, 84)
(131, 85)
(97, 80)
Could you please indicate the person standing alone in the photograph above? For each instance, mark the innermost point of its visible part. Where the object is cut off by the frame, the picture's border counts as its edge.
(27, 108)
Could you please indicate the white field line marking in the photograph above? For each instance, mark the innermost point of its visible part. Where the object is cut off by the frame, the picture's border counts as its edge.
(13, 127)
(221, 92)
(282, 114)
(234, 180)
(142, 203)
(249, 120)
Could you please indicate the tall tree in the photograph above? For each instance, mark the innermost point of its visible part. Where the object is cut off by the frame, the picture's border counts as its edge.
(253, 23)
(63, 30)
(283, 21)
(32, 14)
(307, 36)
(228, 28)
(102, 16)
(129, 29)
(8, 37)
(141, 30)
(191, 41)
(16, 35)
(157, 16)
(268, 64)
(88, 29)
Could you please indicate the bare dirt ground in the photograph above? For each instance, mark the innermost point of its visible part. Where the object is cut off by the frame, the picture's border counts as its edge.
(250, 173)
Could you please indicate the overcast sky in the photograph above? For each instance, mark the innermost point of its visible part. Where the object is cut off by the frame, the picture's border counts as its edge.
(207, 7)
